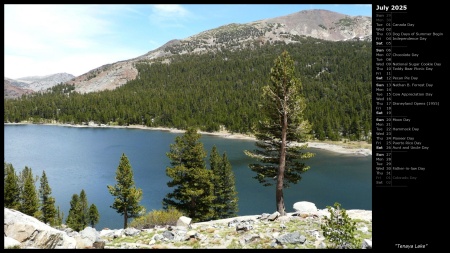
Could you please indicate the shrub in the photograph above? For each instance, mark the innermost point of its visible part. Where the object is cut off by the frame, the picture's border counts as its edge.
(13, 247)
(157, 218)
(339, 229)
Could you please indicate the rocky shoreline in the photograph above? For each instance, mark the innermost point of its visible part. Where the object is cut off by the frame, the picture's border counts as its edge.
(298, 230)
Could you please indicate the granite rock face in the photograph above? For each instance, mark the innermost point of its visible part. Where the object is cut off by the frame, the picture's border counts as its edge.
(32, 233)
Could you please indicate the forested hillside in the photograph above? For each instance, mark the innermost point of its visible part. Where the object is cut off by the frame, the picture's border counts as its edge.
(222, 89)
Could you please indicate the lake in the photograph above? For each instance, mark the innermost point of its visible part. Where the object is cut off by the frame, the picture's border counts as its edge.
(76, 158)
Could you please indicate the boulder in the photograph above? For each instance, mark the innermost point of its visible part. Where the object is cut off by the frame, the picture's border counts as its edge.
(87, 237)
(184, 221)
(131, 231)
(99, 245)
(32, 233)
(169, 235)
(106, 233)
(273, 216)
(291, 238)
(305, 207)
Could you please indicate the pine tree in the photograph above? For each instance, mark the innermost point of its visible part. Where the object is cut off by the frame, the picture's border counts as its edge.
(48, 208)
(59, 217)
(188, 150)
(28, 193)
(193, 193)
(94, 216)
(84, 209)
(226, 202)
(73, 218)
(11, 195)
(229, 189)
(339, 229)
(78, 217)
(283, 123)
(127, 195)
(215, 164)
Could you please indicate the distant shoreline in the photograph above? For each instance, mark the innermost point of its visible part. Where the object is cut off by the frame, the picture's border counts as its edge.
(224, 134)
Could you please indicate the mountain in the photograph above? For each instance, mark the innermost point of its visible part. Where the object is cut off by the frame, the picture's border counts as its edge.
(40, 83)
(26, 85)
(213, 80)
(14, 89)
(320, 24)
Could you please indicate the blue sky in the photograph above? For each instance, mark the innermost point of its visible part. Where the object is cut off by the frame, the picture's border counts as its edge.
(46, 39)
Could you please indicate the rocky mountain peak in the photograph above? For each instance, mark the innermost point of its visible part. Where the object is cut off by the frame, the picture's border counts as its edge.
(25, 85)
(320, 24)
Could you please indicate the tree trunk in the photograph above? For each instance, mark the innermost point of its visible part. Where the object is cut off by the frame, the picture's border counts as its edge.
(280, 177)
(125, 219)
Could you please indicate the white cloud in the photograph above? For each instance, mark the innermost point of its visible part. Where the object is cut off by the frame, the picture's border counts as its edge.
(169, 15)
(170, 10)
(51, 25)
(47, 39)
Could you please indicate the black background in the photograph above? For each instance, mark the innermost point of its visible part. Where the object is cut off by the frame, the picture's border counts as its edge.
(414, 215)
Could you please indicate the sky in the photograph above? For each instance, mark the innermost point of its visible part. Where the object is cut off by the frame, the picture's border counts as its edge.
(45, 39)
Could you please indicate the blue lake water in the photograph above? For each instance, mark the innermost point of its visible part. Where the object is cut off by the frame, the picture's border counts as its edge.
(76, 158)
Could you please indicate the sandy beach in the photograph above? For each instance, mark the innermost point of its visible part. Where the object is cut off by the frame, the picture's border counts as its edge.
(343, 149)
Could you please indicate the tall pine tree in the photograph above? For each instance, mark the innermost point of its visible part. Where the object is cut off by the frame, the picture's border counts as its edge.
(48, 208)
(215, 163)
(11, 195)
(127, 196)
(94, 216)
(84, 209)
(28, 193)
(59, 217)
(73, 218)
(226, 202)
(230, 197)
(283, 124)
(191, 180)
